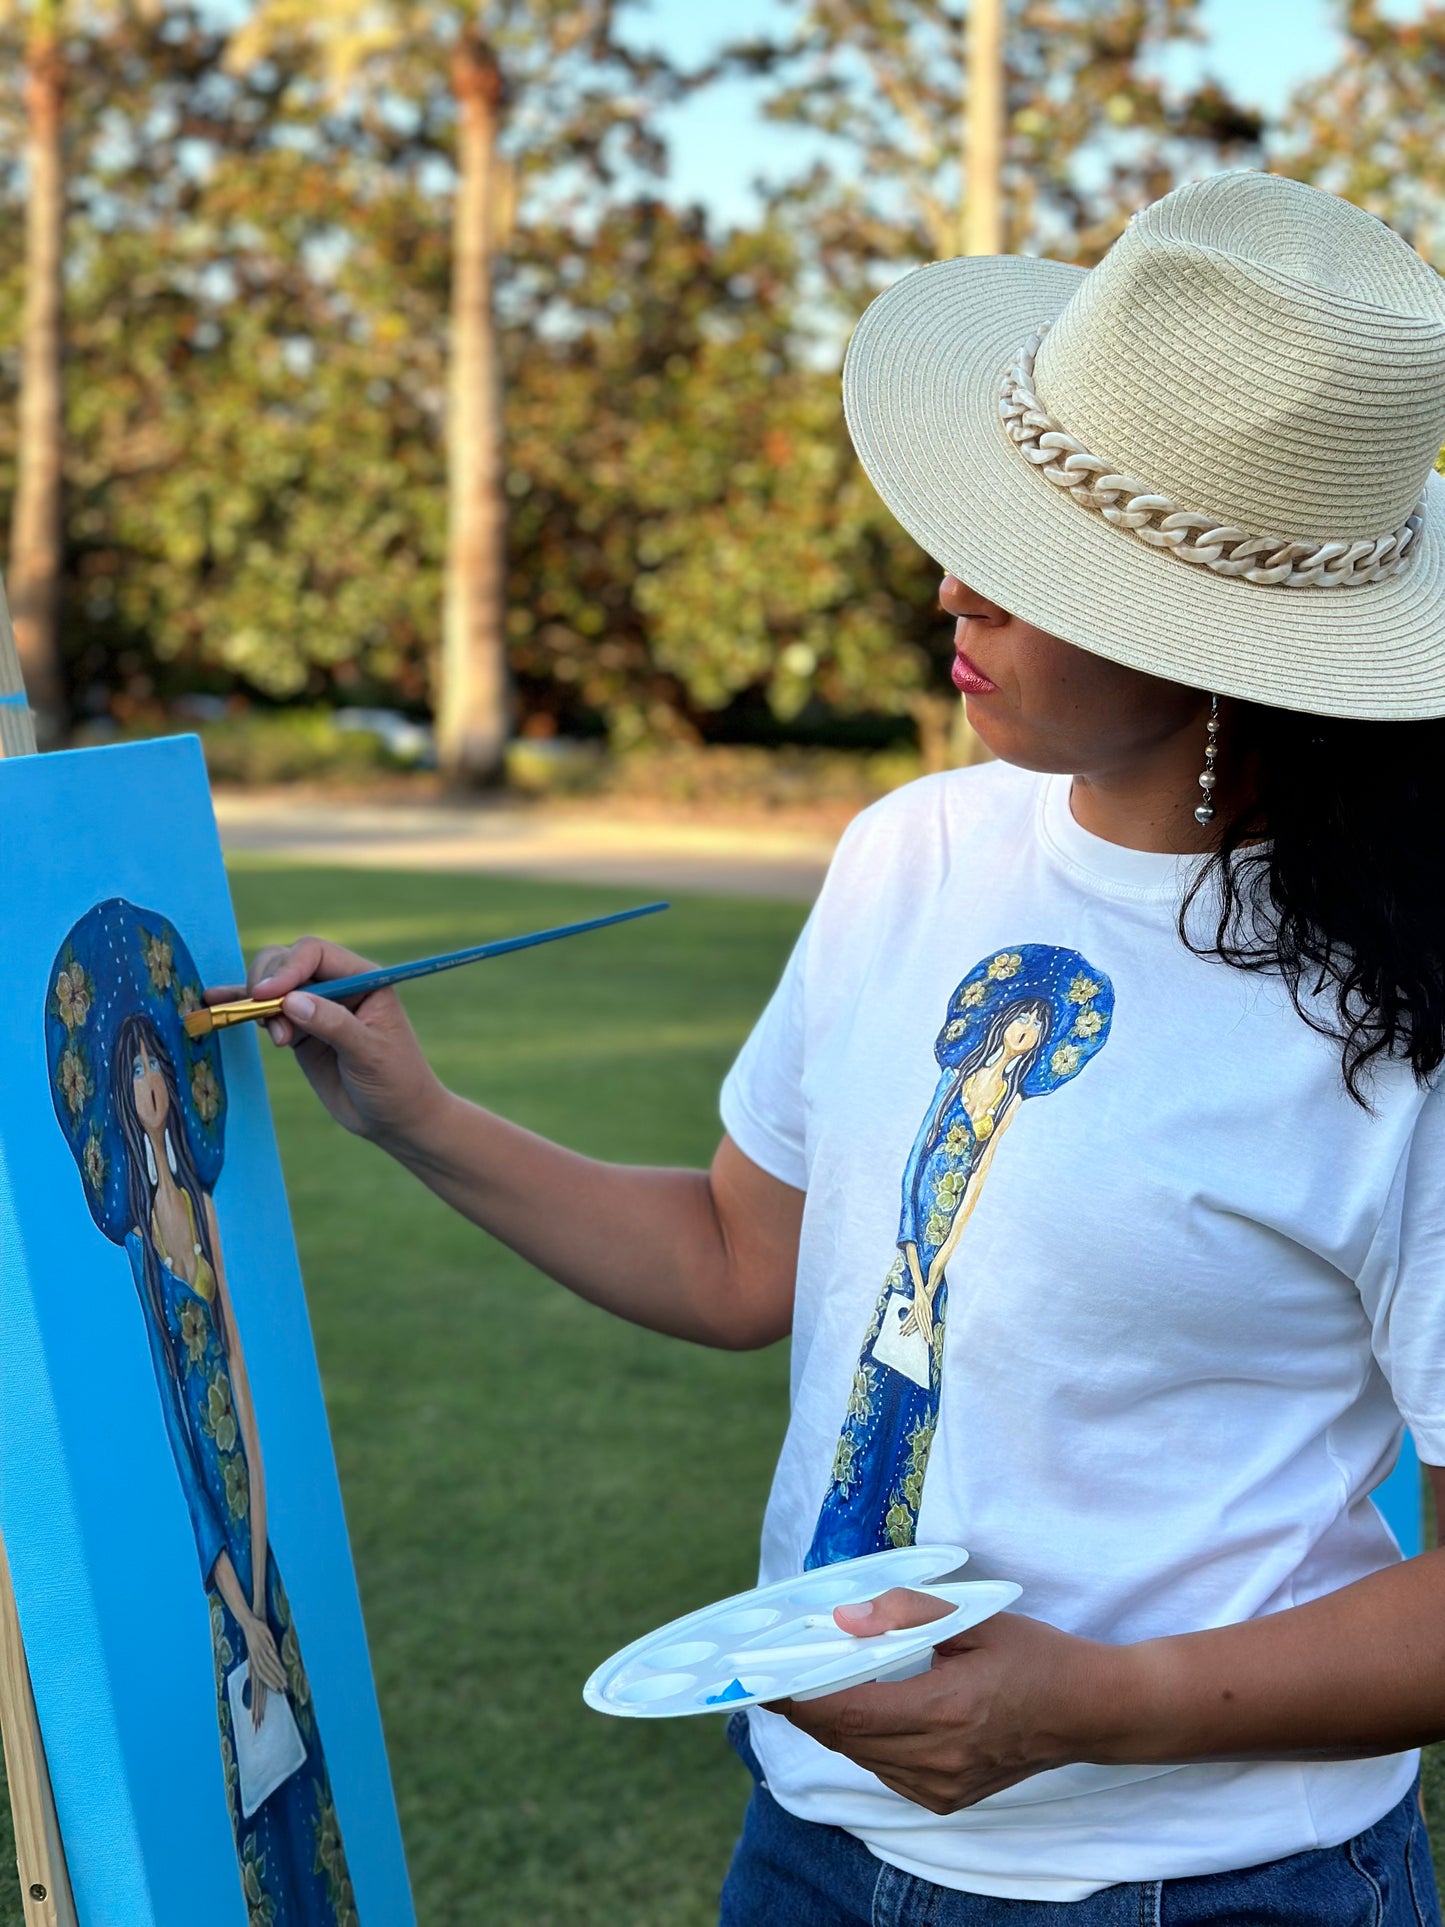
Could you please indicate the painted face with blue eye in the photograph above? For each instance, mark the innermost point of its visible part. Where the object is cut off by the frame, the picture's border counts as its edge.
(148, 1092)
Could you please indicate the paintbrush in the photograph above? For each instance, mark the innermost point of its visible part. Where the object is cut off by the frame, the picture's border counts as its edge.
(248, 1010)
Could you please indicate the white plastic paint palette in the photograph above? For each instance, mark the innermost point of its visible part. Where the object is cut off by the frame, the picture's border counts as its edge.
(782, 1641)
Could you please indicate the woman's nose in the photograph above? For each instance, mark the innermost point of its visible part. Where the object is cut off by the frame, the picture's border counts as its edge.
(956, 598)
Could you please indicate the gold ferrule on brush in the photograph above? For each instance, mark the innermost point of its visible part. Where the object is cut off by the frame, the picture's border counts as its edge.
(247, 1010)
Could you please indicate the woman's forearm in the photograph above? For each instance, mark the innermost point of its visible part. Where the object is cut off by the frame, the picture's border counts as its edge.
(245, 1414)
(1358, 1672)
(659, 1247)
(229, 1586)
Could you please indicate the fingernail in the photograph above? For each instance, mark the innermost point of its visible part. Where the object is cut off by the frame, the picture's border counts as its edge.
(298, 1004)
(258, 989)
(276, 1030)
(863, 1610)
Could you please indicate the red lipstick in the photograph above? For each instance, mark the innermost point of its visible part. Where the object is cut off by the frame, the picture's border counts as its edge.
(969, 679)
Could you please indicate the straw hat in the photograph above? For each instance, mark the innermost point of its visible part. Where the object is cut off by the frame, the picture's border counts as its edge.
(1210, 457)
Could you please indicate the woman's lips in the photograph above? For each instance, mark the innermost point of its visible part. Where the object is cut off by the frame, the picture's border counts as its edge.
(969, 679)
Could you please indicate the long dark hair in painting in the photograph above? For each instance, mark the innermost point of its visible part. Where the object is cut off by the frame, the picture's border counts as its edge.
(139, 1041)
(990, 1046)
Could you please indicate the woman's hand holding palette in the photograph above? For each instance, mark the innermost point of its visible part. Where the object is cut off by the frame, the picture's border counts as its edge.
(782, 1641)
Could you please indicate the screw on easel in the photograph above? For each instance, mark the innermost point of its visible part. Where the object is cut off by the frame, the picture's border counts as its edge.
(37, 1892)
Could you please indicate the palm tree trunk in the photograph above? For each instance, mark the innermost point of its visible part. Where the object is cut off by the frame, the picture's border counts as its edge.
(35, 531)
(473, 700)
(983, 129)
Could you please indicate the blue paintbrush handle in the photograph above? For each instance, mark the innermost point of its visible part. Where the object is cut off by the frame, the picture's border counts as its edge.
(338, 987)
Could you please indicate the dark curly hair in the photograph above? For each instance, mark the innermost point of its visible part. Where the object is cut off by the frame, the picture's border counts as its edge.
(1345, 897)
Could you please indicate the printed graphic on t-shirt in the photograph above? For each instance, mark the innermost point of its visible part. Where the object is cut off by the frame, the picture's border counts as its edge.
(1021, 1024)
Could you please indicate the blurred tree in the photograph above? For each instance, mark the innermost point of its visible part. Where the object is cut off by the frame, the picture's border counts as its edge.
(1091, 133)
(1373, 128)
(690, 531)
(529, 87)
(35, 529)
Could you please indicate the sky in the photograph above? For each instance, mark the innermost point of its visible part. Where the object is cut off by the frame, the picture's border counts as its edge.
(1260, 50)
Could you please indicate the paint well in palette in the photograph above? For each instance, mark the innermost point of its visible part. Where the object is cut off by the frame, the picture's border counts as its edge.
(782, 1640)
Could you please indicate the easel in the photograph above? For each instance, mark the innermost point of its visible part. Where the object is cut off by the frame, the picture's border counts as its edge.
(44, 1881)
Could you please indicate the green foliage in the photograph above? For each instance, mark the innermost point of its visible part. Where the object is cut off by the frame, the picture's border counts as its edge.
(1373, 128)
(1092, 131)
(257, 335)
(689, 526)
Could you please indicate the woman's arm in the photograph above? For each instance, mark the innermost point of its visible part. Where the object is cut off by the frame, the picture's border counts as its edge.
(245, 1414)
(969, 1199)
(706, 1255)
(1356, 1673)
(267, 1671)
(926, 1289)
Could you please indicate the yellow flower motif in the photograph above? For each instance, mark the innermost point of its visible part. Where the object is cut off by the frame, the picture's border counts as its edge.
(935, 1346)
(936, 1230)
(972, 995)
(843, 1463)
(955, 1030)
(74, 1079)
(920, 1441)
(899, 1525)
(297, 1683)
(219, 1420)
(1083, 989)
(188, 998)
(159, 960)
(1005, 965)
(958, 1142)
(238, 1491)
(950, 1189)
(206, 1092)
(860, 1398)
(260, 1907)
(331, 1860)
(195, 1331)
(74, 994)
(95, 1161)
(1089, 1024)
(1065, 1060)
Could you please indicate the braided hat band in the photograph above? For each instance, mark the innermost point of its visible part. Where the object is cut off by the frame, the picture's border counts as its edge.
(1187, 533)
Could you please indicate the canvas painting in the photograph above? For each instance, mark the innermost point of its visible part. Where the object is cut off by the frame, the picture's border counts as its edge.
(168, 1494)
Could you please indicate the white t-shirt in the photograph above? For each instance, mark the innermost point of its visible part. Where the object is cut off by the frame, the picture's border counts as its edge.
(1193, 1288)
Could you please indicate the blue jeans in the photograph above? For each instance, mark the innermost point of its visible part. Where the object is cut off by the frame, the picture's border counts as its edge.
(793, 1873)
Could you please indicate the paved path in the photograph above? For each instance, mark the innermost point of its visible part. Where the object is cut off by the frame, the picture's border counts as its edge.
(575, 846)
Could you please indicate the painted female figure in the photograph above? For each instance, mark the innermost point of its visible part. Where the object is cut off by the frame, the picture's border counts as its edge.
(1020, 1024)
(141, 1140)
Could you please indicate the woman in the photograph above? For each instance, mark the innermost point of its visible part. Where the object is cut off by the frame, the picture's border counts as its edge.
(1196, 556)
(120, 983)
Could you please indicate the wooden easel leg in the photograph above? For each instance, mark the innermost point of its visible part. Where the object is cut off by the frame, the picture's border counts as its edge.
(44, 1881)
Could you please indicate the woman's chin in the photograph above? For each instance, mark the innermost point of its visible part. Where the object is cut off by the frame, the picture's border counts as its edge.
(1012, 741)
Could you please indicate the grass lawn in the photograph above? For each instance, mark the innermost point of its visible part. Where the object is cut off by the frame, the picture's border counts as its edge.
(528, 1482)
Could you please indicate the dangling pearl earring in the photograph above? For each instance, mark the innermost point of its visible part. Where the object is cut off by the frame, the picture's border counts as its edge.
(151, 1171)
(170, 1151)
(1207, 777)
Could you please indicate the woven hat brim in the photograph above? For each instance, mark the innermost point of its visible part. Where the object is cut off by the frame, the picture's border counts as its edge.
(921, 394)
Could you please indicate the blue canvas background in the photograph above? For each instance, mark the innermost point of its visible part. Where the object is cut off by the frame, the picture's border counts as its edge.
(95, 1525)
